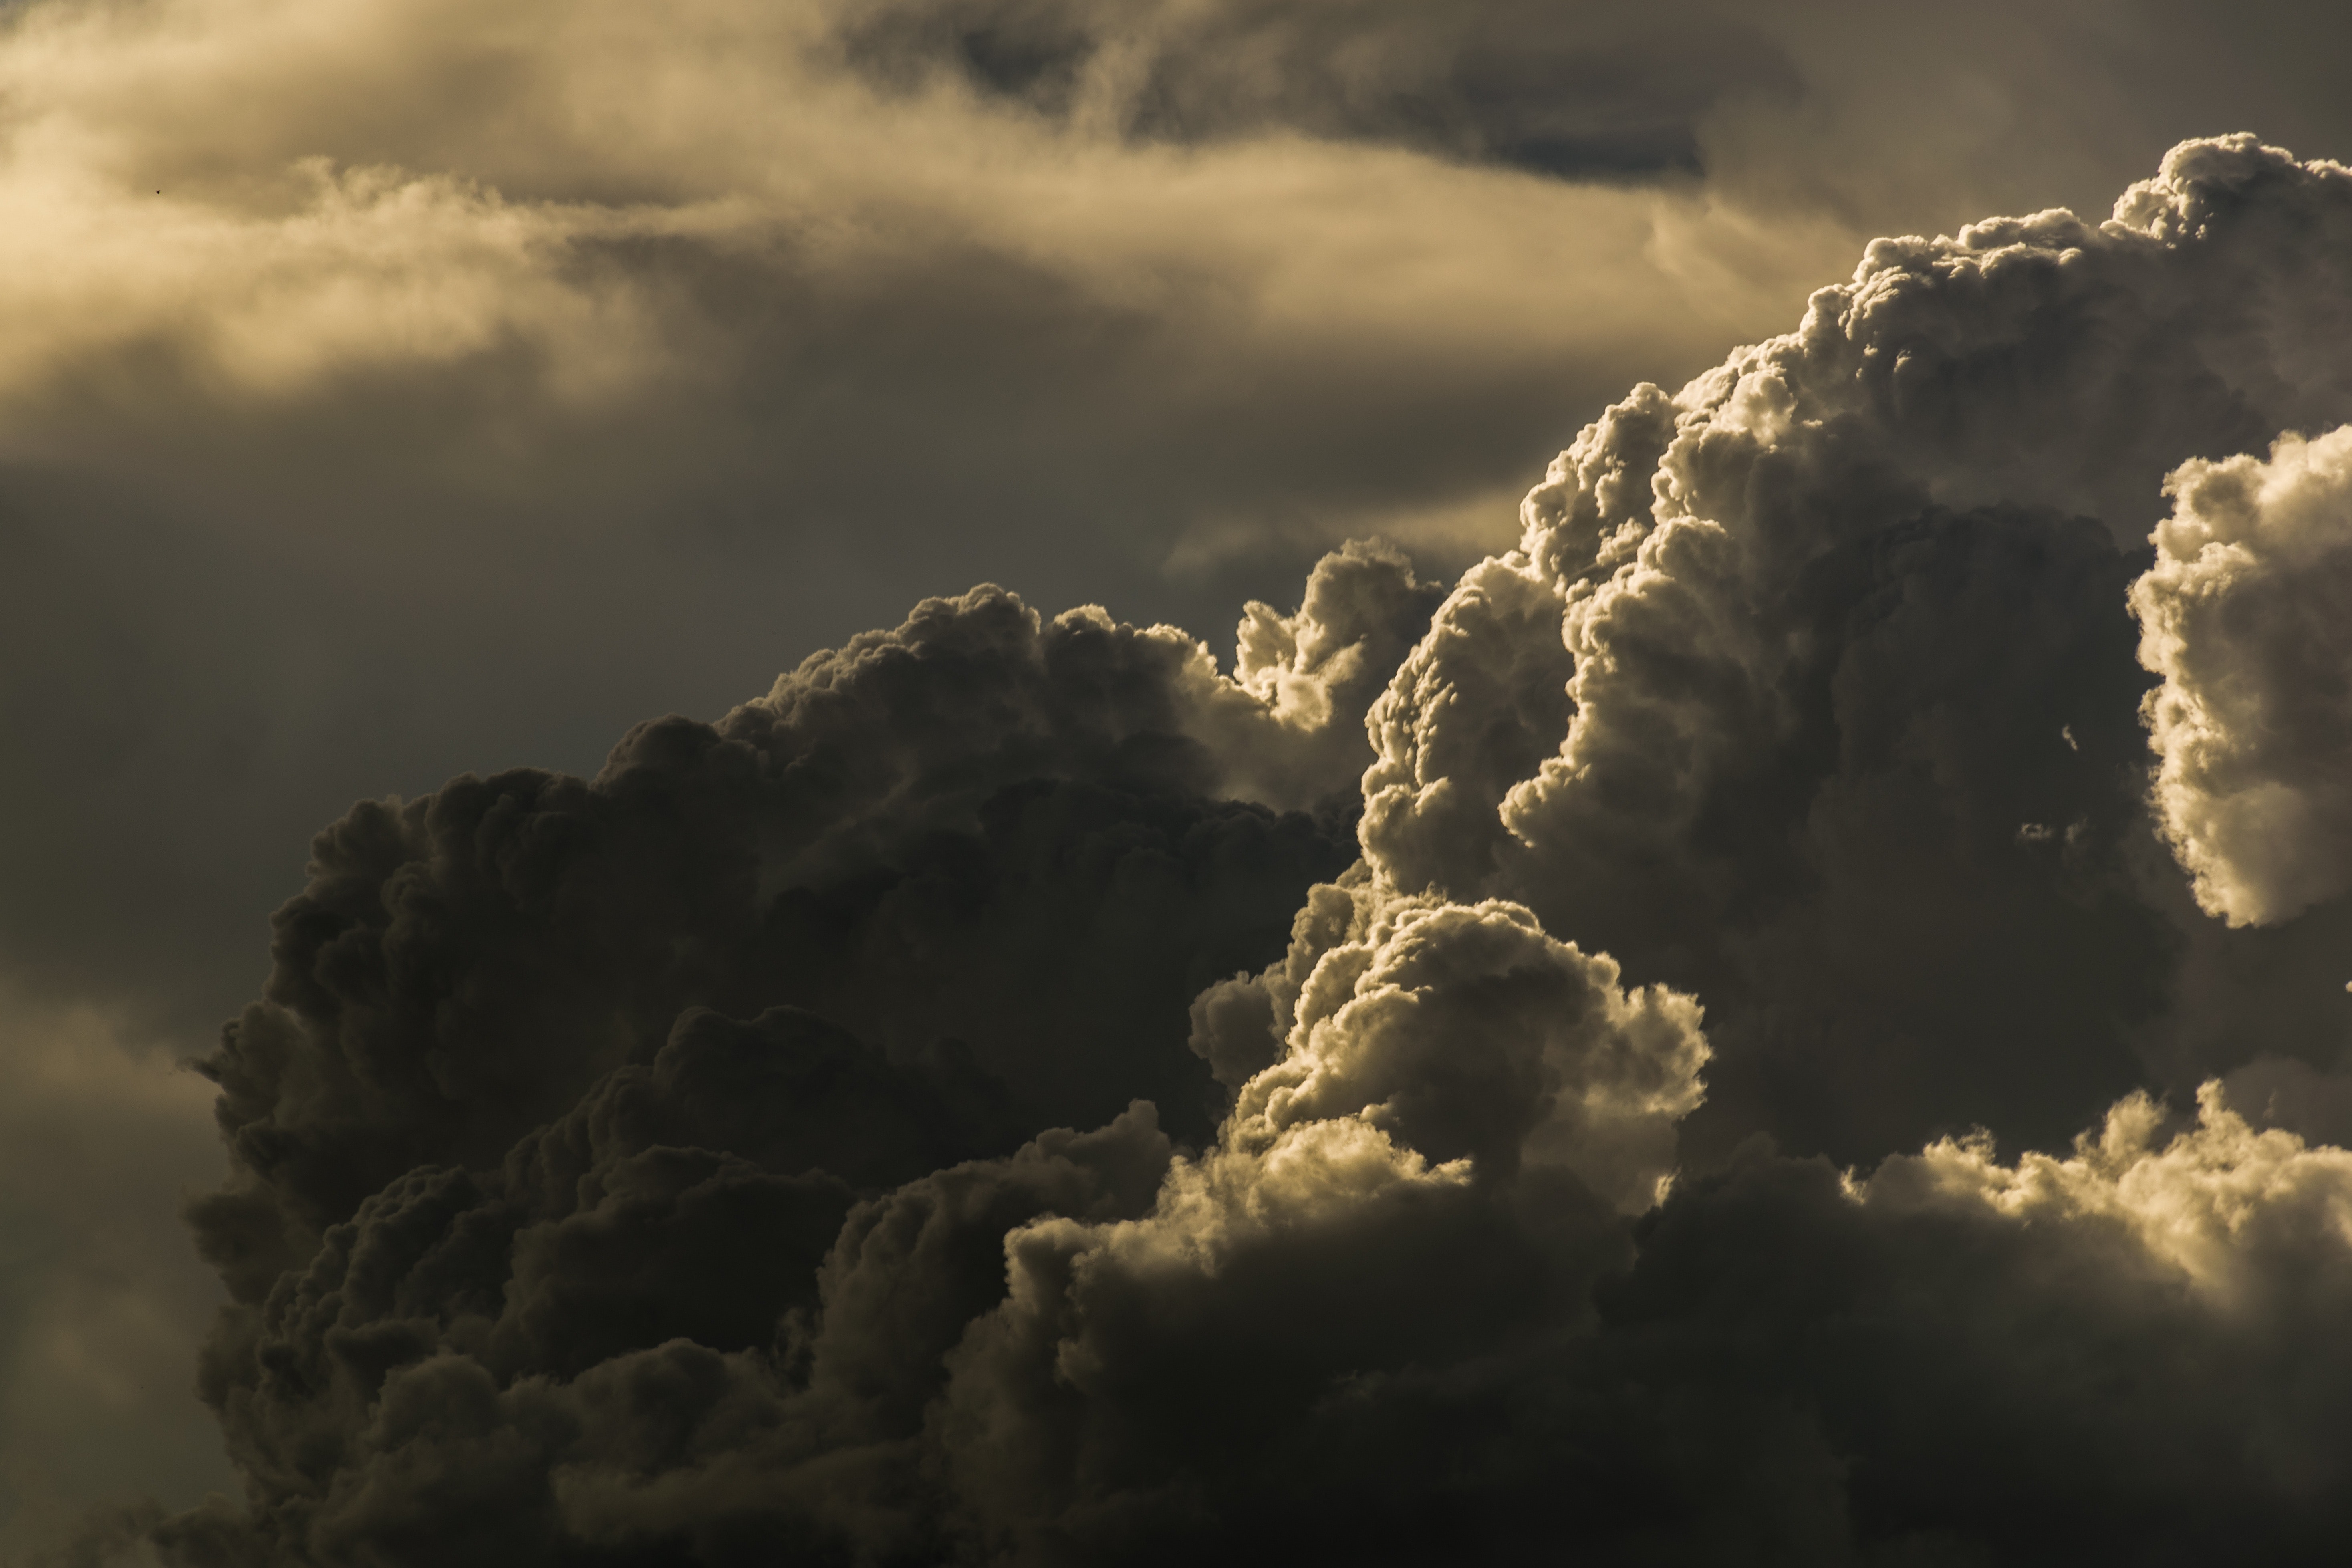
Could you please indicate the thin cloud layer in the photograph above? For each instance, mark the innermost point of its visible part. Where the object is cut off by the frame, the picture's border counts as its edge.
(890, 1124)
(398, 210)
(1596, 92)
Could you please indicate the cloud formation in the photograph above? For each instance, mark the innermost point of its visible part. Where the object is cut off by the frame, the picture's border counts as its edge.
(2244, 616)
(982, 834)
(1845, 700)
(391, 391)
(890, 1124)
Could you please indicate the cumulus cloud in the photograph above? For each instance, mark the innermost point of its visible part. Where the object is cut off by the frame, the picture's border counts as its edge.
(1841, 622)
(716, 328)
(983, 833)
(1518, 1070)
(727, 1300)
(1963, 1359)
(2243, 616)
(797, 1135)
(1465, 1033)
(490, 1136)
(1100, 1347)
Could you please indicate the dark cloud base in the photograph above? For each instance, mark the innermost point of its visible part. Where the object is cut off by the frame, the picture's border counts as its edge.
(1007, 1096)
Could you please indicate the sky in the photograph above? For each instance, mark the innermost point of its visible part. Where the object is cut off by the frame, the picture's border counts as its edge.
(1731, 906)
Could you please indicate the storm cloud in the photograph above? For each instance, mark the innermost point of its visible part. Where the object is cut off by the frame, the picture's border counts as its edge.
(1730, 1036)
(400, 401)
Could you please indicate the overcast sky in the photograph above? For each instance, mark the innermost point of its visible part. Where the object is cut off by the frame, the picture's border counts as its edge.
(395, 389)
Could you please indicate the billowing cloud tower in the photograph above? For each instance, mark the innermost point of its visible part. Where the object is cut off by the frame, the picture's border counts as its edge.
(1005, 1097)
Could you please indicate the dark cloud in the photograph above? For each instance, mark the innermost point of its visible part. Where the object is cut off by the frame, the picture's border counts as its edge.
(1789, 1372)
(983, 834)
(1586, 92)
(486, 1103)
(886, 1126)
(1830, 105)
(1310, 1337)
(506, 1317)
(731, 1155)
(640, 1333)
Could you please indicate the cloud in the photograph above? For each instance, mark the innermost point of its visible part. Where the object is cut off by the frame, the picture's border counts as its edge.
(549, 358)
(365, 370)
(983, 833)
(1838, 621)
(1957, 1359)
(641, 1327)
(389, 392)
(1964, 1360)
(797, 1136)
(1463, 1033)
(1595, 93)
(529, 1361)
(1312, 1332)
(2240, 616)
(402, 212)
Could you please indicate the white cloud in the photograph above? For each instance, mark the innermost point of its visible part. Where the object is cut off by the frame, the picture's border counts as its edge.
(2247, 614)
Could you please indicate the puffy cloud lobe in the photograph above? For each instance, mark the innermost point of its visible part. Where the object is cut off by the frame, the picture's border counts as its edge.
(1959, 1360)
(1955, 1359)
(649, 1315)
(1314, 673)
(1429, 1169)
(1845, 657)
(1480, 703)
(2233, 1209)
(1466, 1033)
(2244, 616)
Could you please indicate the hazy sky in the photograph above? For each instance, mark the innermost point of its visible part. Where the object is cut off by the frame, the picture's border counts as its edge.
(395, 390)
